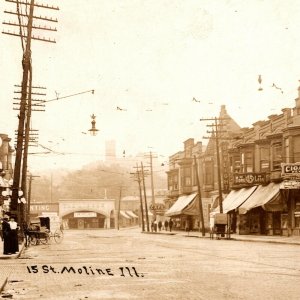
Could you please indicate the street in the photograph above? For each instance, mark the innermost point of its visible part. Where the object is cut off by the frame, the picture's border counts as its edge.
(126, 264)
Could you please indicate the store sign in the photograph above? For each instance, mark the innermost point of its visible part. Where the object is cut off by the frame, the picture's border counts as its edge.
(290, 184)
(157, 206)
(225, 166)
(85, 214)
(249, 178)
(290, 170)
(46, 207)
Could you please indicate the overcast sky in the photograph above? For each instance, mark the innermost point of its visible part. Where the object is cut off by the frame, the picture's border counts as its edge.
(151, 58)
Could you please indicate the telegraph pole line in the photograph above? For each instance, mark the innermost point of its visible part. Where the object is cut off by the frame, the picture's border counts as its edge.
(145, 197)
(216, 131)
(25, 32)
(138, 179)
(119, 208)
(201, 217)
(152, 182)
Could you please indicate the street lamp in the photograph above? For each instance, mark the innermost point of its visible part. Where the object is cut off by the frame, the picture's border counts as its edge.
(93, 131)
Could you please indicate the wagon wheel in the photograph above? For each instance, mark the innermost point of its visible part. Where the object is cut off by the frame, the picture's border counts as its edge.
(58, 236)
(45, 239)
(32, 240)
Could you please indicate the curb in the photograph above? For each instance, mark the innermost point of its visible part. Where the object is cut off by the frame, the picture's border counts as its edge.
(228, 239)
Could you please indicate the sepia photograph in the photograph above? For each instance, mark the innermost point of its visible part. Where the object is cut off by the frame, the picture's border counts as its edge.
(150, 149)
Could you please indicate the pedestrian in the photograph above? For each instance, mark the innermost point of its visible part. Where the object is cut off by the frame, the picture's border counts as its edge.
(6, 235)
(159, 225)
(170, 225)
(166, 225)
(152, 226)
(13, 235)
(155, 226)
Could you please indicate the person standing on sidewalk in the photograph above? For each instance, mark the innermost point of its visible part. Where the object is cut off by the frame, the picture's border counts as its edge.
(6, 235)
(170, 224)
(13, 236)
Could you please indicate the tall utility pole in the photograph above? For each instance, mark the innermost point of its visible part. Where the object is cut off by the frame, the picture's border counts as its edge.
(145, 197)
(216, 131)
(138, 179)
(119, 208)
(201, 217)
(29, 197)
(152, 181)
(25, 32)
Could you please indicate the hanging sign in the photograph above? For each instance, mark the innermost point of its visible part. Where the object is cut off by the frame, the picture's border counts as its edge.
(249, 178)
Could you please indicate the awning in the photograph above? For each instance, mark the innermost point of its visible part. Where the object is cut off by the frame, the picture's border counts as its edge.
(131, 214)
(193, 208)
(123, 214)
(261, 196)
(235, 198)
(181, 203)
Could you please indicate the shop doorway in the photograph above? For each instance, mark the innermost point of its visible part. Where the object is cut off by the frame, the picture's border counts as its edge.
(80, 224)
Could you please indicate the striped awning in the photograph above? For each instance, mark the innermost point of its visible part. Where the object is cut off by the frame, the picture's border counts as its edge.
(261, 196)
(131, 214)
(123, 214)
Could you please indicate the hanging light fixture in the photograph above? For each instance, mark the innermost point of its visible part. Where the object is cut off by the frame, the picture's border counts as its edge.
(93, 131)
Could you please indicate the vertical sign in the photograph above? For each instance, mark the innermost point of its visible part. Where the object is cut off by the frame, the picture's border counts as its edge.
(225, 167)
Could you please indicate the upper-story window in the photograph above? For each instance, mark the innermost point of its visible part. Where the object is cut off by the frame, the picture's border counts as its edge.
(208, 172)
(264, 159)
(277, 156)
(247, 161)
(186, 177)
(235, 163)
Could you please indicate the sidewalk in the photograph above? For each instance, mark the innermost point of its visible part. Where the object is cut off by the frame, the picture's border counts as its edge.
(4, 273)
(292, 240)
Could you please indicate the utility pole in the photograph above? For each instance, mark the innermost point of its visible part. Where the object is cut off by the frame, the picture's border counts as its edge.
(138, 179)
(216, 131)
(152, 182)
(119, 208)
(145, 196)
(25, 32)
(29, 197)
(201, 217)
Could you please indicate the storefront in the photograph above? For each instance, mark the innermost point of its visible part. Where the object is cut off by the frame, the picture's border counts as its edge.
(262, 212)
(185, 212)
(87, 213)
(290, 188)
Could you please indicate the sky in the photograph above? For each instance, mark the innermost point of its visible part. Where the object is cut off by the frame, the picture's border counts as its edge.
(150, 59)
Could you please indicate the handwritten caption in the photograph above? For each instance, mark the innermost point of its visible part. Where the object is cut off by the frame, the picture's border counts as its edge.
(85, 270)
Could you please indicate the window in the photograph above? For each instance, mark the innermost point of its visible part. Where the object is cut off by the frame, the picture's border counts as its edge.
(277, 156)
(186, 177)
(247, 162)
(208, 173)
(235, 163)
(264, 159)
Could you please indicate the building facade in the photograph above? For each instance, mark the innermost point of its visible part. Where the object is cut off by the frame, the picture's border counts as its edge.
(6, 171)
(259, 172)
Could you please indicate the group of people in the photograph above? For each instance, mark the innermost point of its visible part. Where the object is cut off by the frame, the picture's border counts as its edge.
(160, 225)
(9, 235)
